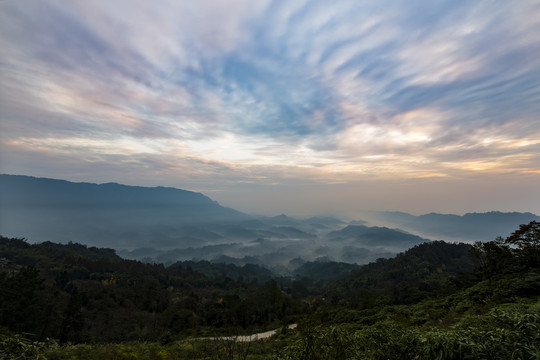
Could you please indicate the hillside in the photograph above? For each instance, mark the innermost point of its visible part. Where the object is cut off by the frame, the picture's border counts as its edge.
(376, 236)
(78, 293)
(435, 300)
(103, 214)
(167, 225)
(468, 227)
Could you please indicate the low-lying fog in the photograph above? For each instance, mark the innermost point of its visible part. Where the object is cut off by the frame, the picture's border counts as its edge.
(279, 243)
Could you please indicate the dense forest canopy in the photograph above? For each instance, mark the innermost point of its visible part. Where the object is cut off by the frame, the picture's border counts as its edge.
(435, 300)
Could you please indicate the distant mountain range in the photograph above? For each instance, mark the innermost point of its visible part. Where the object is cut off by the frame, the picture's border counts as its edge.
(372, 236)
(469, 227)
(47, 209)
(158, 224)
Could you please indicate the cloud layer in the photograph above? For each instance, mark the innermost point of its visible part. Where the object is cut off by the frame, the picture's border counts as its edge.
(208, 95)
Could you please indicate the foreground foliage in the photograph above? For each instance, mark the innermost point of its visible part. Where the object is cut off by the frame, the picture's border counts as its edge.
(507, 332)
(193, 349)
(19, 347)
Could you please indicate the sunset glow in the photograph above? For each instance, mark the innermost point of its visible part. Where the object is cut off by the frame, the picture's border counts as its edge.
(294, 98)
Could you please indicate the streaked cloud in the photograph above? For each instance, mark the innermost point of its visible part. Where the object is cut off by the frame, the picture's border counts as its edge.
(209, 94)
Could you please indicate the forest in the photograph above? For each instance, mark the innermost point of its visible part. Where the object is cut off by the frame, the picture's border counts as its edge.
(437, 300)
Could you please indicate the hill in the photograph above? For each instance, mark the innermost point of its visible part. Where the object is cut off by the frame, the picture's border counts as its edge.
(78, 293)
(167, 225)
(103, 214)
(376, 236)
(407, 278)
(468, 227)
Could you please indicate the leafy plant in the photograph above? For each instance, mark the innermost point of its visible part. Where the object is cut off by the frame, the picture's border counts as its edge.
(19, 347)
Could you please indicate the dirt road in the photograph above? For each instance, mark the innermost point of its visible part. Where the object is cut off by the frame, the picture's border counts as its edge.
(246, 338)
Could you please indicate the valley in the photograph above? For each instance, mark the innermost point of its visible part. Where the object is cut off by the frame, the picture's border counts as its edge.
(159, 273)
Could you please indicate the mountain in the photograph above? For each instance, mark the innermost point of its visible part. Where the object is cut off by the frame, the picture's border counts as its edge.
(167, 225)
(324, 271)
(154, 224)
(411, 275)
(224, 269)
(361, 244)
(102, 214)
(469, 227)
(376, 236)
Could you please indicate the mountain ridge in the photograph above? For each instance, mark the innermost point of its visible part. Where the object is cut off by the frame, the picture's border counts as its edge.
(42, 209)
(180, 225)
(470, 227)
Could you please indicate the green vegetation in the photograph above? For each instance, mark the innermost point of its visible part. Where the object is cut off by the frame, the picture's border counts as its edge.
(508, 332)
(435, 301)
(78, 294)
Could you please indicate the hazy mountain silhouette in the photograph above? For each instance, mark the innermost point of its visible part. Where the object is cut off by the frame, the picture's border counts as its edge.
(469, 227)
(376, 236)
(361, 244)
(159, 224)
(44, 209)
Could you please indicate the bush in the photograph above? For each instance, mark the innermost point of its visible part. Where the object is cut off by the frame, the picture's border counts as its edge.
(18, 347)
(506, 332)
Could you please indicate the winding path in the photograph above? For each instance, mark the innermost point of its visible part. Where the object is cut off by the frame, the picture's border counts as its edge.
(247, 338)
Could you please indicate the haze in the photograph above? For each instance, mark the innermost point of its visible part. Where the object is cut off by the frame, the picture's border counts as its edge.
(297, 107)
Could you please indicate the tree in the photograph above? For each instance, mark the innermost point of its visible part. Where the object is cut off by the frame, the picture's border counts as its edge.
(517, 253)
(526, 244)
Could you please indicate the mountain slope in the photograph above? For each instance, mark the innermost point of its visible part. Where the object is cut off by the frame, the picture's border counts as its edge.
(410, 276)
(376, 236)
(469, 227)
(43, 209)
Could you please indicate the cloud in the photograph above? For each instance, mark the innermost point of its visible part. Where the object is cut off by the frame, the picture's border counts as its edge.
(271, 91)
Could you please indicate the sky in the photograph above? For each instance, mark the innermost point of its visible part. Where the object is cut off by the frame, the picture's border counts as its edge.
(269, 107)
